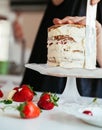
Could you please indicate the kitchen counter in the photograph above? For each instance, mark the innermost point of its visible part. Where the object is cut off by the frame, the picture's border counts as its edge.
(58, 118)
(50, 120)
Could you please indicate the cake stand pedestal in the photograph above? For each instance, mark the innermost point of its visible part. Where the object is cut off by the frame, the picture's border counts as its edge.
(70, 92)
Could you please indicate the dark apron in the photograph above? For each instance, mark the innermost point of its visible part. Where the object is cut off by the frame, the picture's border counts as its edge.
(86, 87)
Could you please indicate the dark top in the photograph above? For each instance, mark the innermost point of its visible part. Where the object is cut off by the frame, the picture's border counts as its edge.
(86, 87)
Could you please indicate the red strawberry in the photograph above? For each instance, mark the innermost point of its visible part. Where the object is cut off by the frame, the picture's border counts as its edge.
(16, 88)
(23, 93)
(1, 94)
(47, 101)
(88, 112)
(28, 110)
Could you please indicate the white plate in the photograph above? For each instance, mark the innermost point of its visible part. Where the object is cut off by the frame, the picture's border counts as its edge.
(95, 119)
(76, 109)
(63, 72)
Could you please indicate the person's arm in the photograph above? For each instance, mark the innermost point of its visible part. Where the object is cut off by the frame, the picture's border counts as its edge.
(66, 19)
(17, 29)
(99, 44)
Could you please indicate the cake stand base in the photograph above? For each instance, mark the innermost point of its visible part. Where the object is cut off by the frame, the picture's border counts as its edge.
(71, 92)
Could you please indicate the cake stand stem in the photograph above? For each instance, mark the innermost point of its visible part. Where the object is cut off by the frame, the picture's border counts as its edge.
(70, 92)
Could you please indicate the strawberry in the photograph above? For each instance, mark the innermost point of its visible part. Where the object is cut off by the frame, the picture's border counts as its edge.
(28, 110)
(16, 88)
(1, 94)
(47, 101)
(23, 93)
(88, 112)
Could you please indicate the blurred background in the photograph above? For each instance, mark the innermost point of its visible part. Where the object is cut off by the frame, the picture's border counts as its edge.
(28, 13)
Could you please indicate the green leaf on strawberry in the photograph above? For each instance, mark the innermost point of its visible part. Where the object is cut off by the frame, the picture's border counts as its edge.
(47, 101)
(6, 101)
(28, 110)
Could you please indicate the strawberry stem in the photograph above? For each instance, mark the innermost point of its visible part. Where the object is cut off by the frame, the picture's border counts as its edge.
(94, 100)
(54, 98)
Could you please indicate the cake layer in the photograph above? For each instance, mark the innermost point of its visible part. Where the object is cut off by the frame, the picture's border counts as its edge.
(69, 52)
(66, 46)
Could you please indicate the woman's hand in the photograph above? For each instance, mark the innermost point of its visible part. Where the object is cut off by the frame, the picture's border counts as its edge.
(69, 20)
(65, 20)
(93, 2)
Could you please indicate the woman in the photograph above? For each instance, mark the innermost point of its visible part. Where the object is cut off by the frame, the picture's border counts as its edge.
(55, 9)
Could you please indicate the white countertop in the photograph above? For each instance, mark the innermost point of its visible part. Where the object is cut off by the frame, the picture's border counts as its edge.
(48, 120)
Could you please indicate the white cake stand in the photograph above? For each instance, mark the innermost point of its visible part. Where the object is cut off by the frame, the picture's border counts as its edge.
(70, 93)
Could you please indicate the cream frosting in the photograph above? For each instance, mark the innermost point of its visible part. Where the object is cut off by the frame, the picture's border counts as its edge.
(66, 46)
